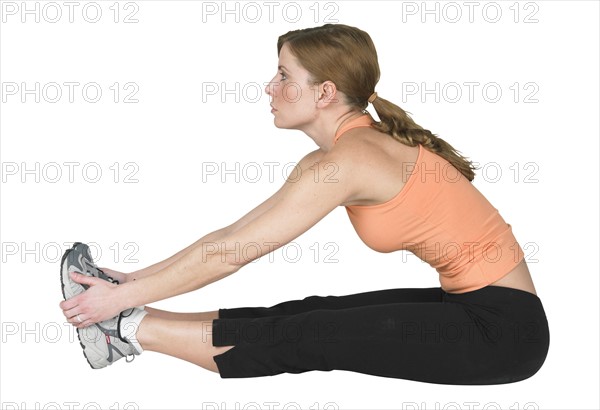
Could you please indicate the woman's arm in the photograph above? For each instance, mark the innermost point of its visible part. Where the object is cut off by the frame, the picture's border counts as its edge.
(310, 193)
(301, 203)
(216, 236)
(314, 188)
(152, 269)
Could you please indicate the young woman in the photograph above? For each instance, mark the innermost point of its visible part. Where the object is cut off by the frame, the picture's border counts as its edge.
(403, 188)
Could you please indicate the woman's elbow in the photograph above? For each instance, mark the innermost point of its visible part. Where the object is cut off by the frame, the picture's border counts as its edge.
(226, 257)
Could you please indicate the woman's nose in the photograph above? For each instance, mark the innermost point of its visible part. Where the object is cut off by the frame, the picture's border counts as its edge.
(269, 88)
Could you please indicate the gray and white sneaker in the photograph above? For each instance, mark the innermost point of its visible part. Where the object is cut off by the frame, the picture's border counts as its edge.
(79, 259)
(106, 342)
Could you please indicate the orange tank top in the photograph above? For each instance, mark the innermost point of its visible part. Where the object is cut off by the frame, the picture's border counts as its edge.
(443, 219)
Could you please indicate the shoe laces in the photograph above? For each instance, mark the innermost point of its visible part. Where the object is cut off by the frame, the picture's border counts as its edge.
(88, 269)
(108, 278)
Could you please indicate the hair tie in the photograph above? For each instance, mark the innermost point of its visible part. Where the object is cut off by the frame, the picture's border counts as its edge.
(372, 97)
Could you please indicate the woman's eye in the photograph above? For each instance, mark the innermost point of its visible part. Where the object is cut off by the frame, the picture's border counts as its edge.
(283, 77)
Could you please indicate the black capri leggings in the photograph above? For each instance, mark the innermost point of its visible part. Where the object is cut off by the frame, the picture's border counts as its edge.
(492, 335)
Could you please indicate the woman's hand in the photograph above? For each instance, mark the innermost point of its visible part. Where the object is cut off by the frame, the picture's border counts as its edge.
(98, 303)
(119, 276)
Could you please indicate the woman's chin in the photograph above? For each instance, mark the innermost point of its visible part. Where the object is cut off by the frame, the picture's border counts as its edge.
(279, 124)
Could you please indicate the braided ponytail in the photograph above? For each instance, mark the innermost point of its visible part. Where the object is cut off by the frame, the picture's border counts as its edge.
(397, 123)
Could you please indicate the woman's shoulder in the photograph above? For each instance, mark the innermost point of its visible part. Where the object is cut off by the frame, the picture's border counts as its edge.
(374, 148)
(313, 156)
(380, 164)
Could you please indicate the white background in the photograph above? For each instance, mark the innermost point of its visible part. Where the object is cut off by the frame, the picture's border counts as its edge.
(175, 133)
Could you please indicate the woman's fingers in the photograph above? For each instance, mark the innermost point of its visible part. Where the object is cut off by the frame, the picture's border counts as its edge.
(84, 279)
(68, 305)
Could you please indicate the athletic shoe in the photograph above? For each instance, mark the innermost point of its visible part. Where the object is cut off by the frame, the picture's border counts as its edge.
(106, 342)
(79, 259)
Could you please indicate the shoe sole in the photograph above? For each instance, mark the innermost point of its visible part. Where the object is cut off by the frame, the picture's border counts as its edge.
(62, 282)
(91, 351)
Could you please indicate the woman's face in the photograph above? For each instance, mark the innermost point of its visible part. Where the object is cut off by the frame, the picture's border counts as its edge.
(293, 98)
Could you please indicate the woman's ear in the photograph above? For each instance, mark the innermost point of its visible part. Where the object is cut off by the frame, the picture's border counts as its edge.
(327, 94)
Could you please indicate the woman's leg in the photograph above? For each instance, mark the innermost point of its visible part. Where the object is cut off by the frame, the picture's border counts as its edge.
(490, 336)
(188, 336)
(195, 317)
(189, 340)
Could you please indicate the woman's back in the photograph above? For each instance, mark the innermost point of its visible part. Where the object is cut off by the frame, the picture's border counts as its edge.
(415, 200)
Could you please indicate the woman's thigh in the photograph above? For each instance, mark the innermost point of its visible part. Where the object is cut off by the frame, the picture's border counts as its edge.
(379, 297)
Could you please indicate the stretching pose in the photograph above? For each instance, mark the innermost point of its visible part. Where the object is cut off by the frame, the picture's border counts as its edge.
(403, 188)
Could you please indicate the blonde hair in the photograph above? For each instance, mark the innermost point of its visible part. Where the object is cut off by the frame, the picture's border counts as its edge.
(346, 56)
